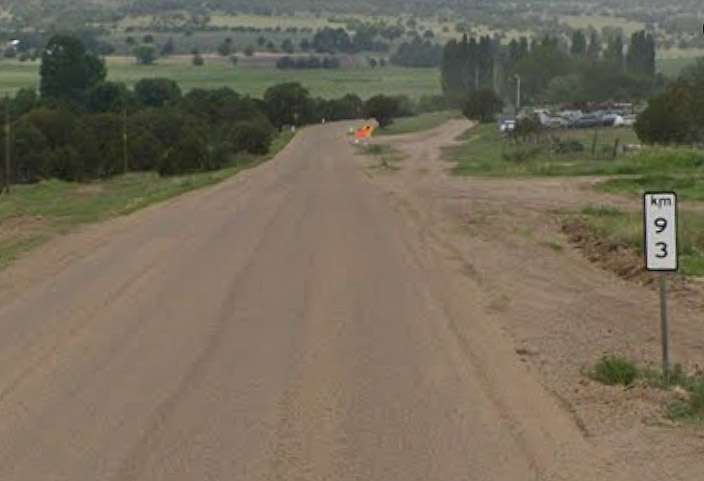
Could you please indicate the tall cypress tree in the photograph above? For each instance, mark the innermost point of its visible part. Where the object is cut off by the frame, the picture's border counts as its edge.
(614, 52)
(594, 48)
(579, 44)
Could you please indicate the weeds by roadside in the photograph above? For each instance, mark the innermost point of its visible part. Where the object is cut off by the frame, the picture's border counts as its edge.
(615, 370)
(606, 233)
(688, 404)
(388, 156)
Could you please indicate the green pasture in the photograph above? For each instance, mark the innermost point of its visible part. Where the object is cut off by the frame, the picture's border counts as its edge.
(251, 80)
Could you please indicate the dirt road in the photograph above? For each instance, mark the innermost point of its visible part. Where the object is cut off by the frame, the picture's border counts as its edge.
(287, 324)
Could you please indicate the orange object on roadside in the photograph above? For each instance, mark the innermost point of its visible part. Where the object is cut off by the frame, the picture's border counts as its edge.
(365, 132)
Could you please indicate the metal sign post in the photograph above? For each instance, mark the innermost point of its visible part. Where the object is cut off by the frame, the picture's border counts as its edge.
(660, 248)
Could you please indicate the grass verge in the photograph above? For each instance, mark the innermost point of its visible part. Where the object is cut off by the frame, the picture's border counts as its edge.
(388, 156)
(615, 370)
(418, 123)
(689, 186)
(33, 214)
(612, 230)
(486, 152)
(687, 407)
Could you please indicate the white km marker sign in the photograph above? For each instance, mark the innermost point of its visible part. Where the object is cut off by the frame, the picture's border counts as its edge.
(660, 230)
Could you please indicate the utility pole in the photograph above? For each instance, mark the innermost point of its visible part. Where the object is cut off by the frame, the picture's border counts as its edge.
(518, 94)
(8, 132)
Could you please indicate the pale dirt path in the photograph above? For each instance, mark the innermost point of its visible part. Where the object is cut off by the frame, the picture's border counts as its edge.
(562, 311)
(284, 325)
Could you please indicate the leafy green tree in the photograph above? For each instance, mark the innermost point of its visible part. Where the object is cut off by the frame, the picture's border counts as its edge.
(287, 46)
(68, 71)
(225, 47)
(23, 102)
(383, 109)
(543, 63)
(288, 104)
(157, 92)
(252, 137)
(145, 55)
(483, 105)
(640, 59)
(100, 145)
(198, 60)
(667, 120)
(109, 97)
(29, 153)
(614, 52)
(169, 48)
(565, 88)
(579, 44)
(594, 48)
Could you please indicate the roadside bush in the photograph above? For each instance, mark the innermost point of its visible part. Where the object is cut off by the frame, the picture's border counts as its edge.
(100, 145)
(614, 370)
(109, 97)
(251, 137)
(188, 154)
(382, 108)
(157, 92)
(31, 151)
(65, 163)
(144, 150)
(483, 106)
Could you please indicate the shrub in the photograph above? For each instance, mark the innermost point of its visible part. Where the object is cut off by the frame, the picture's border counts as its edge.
(482, 105)
(251, 137)
(144, 55)
(188, 154)
(382, 108)
(157, 92)
(615, 370)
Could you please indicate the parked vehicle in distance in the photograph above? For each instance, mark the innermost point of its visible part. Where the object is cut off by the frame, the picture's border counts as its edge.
(629, 120)
(587, 121)
(613, 120)
(508, 125)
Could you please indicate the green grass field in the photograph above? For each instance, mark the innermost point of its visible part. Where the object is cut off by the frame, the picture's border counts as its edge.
(54, 207)
(418, 123)
(671, 67)
(217, 72)
(486, 152)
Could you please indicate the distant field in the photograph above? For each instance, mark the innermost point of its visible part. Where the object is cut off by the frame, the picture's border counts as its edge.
(600, 21)
(671, 67)
(260, 21)
(364, 82)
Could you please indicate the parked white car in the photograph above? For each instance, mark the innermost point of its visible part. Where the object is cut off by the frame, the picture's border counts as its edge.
(507, 126)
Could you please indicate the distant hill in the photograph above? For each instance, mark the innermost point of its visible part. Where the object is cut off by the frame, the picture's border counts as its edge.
(33, 12)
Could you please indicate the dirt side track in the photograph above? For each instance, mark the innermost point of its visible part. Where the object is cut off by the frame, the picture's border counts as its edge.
(302, 321)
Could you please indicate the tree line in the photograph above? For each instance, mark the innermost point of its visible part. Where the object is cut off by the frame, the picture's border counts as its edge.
(307, 63)
(80, 126)
(676, 116)
(552, 70)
